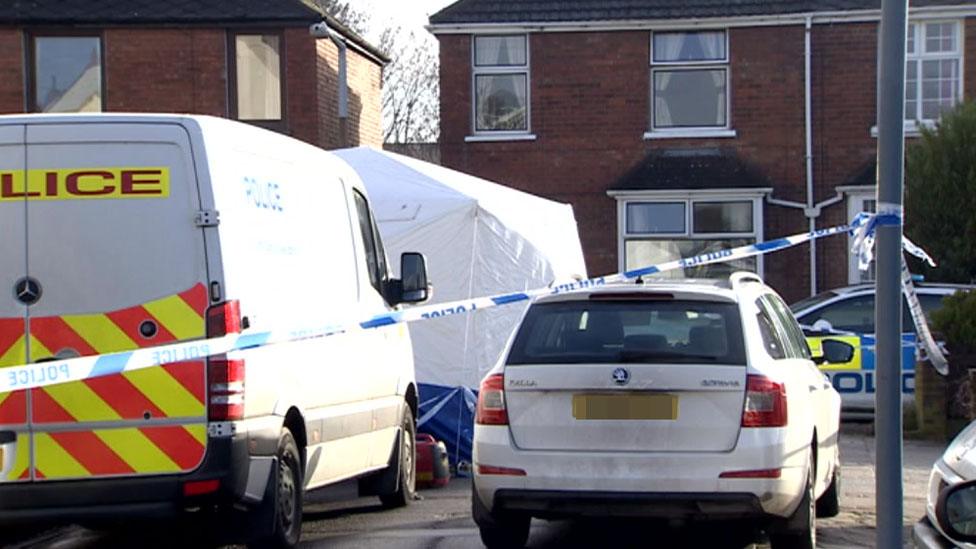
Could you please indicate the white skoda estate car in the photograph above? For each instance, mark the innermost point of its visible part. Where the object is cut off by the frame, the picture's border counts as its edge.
(690, 400)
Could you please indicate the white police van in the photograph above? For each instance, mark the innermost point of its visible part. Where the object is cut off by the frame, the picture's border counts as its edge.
(128, 231)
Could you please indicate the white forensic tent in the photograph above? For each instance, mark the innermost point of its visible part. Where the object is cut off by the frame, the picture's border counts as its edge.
(480, 238)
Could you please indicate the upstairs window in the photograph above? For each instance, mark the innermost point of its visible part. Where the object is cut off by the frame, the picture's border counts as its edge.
(933, 72)
(256, 82)
(689, 80)
(66, 74)
(501, 84)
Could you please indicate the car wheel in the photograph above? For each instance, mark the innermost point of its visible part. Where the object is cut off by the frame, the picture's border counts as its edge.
(280, 513)
(828, 505)
(800, 529)
(404, 467)
(499, 531)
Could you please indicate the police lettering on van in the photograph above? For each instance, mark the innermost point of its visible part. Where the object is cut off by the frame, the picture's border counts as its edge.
(87, 183)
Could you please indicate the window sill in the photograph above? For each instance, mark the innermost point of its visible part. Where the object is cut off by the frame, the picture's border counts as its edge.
(689, 134)
(912, 129)
(498, 138)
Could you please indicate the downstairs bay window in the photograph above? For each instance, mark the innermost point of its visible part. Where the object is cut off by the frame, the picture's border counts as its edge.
(656, 228)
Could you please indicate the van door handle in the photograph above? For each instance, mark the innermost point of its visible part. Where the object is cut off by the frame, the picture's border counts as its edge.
(6, 437)
(813, 388)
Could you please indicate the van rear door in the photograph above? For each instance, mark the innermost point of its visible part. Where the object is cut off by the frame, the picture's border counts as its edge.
(14, 435)
(112, 243)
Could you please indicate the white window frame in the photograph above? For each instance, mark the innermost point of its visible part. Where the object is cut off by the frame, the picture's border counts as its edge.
(913, 126)
(921, 55)
(476, 71)
(691, 131)
(856, 196)
(756, 196)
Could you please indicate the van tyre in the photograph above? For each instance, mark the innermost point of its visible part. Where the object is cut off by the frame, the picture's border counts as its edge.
(499, 531)
(401, 473)
(800, 530)
(280, 513)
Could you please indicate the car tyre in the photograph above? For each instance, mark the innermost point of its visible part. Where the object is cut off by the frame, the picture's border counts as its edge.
(401, 473)
(499, 531)
(828, 505)
(799, 531)
(280, 512)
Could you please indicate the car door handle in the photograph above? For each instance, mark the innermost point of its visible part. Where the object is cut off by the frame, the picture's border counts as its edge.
(813, 388)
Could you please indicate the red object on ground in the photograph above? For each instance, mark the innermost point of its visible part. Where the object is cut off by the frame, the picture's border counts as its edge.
(432, 467)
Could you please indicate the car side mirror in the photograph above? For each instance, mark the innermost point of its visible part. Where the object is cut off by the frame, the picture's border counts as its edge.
(835, 352)
(413, 278)
(956, 511)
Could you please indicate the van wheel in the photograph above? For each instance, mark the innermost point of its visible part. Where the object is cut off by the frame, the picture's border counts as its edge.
(403, 466)
(280, 513)
(800, 530)
(499, 531)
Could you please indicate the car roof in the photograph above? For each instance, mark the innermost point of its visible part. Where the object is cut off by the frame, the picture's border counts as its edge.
(935, 287)
(689, 288)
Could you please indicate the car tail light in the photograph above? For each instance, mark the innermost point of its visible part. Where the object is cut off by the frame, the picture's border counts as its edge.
(491, 402)
(226, 376)
(757, 473)
(765, 403)
(492, 470)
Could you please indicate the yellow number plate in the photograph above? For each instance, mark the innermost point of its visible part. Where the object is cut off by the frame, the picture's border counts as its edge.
(625, 406)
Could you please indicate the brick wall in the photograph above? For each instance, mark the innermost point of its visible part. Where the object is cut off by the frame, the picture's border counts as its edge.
(590, 104)
(166, 70)
(589, 109)
(185, 71)
(364, 78)
(11, 71)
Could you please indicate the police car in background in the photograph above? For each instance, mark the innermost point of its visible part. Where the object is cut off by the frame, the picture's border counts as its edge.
(848, 314)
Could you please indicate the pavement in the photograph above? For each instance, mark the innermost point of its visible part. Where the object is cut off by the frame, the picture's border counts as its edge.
(855, 526)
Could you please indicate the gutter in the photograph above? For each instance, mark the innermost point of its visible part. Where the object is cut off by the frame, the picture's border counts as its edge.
(716, 22)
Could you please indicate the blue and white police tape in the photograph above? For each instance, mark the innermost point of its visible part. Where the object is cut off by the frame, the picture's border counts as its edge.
(30, 376)
(862, 246)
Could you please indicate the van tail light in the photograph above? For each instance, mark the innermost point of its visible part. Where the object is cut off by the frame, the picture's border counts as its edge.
(224, 318)
(491, 402)
(765, 403)
(226, 375)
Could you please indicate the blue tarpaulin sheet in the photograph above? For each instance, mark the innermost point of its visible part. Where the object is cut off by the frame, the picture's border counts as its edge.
(447, 413)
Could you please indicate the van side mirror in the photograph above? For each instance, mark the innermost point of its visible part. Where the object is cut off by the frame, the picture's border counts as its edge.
(413, 278)
(956, 511)
(835, 352)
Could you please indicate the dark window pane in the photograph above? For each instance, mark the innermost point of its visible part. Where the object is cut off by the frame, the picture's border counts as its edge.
(855, 314)
(689, 98)
(655, 218)
(68, 74)
(657, 332)
(366, 230)
(643, 253)
(499, 51)
(501, 101)
(689, 46)
(723, 217)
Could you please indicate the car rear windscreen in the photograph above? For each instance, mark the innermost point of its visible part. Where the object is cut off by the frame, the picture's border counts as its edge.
(639, 331)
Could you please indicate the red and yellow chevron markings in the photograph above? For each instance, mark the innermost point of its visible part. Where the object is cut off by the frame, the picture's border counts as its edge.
(108, 426)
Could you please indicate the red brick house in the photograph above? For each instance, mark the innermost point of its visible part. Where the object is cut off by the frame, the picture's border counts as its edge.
(250, 60)
(676, 127)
